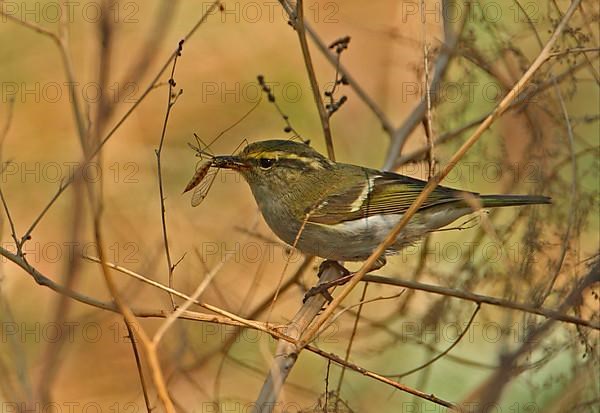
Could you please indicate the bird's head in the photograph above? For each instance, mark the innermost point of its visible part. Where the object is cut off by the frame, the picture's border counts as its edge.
(276, 165)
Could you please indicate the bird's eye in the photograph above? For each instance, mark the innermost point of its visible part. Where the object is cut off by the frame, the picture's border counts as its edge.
(266, 163)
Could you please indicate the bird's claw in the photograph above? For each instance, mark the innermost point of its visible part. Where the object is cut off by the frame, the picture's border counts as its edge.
(319, 289)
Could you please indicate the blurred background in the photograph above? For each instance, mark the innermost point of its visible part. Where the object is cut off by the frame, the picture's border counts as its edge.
(56, 352)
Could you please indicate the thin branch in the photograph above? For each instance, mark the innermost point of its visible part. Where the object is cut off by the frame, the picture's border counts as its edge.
(334, 105)
(573, 50)
(138, 364)
(429, 134)
(417, 115)
(13, 232)
(468, 296)
(36, 221)
(227, 317)
(337, 359)
(443, 353)
(32, 26)
(286, 353)
(223, 316)
(352, 82)
(428, 116)
(352, 335)
(293, 329)
(298, 21)
(259, 309)
(191, 300)
(171, 100)
(129, 317)
(418, 154)
(574, 185)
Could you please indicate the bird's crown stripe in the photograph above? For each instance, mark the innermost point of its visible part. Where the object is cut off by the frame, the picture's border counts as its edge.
(282, 155)
(279, 155)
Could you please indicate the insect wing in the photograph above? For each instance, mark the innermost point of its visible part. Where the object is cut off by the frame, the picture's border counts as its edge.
(202, 189)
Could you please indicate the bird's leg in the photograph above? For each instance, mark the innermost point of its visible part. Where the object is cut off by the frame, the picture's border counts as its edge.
(347, 275)
(323, 287)
(336, 265)
(379, 262)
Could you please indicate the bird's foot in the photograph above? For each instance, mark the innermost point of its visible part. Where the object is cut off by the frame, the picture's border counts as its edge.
(380, 262)
(323, 288)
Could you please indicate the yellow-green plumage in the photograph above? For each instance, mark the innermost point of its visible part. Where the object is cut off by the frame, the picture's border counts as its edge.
(341, 211)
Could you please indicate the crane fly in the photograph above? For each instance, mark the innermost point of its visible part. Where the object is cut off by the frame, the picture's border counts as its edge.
(203, 178)
(202, 182)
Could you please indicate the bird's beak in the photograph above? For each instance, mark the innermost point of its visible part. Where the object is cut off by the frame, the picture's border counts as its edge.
(229, 162)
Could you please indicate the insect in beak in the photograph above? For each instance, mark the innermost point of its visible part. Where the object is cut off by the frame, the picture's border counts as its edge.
(199, 175)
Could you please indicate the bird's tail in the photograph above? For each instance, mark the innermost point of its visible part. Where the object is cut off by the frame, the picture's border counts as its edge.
(493, 201)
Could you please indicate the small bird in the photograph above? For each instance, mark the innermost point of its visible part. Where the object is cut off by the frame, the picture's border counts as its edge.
(342, 212)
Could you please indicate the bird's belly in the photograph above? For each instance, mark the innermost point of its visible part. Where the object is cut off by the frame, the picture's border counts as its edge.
(356, 240)
(348, 241)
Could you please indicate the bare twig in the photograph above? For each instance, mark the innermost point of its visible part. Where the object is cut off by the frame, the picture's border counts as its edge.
(191, 300)
(416, 117)
(418, 154)
(352, 82)
(336, 359)
(298, 21)
(286, 354)
(147, 52)
(33, 26)
(334, 105)
(271, 98)
(256, 312)
(476, 298)
(351, 340)
(138, 364)
(148, 345)
(13, 232)
(27, 235)
(171, 100)
(428, 116)
(573, 197)
(293, 330)
(443, 353)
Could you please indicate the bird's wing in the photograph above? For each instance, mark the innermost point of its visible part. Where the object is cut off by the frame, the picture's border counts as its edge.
(379, 193)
